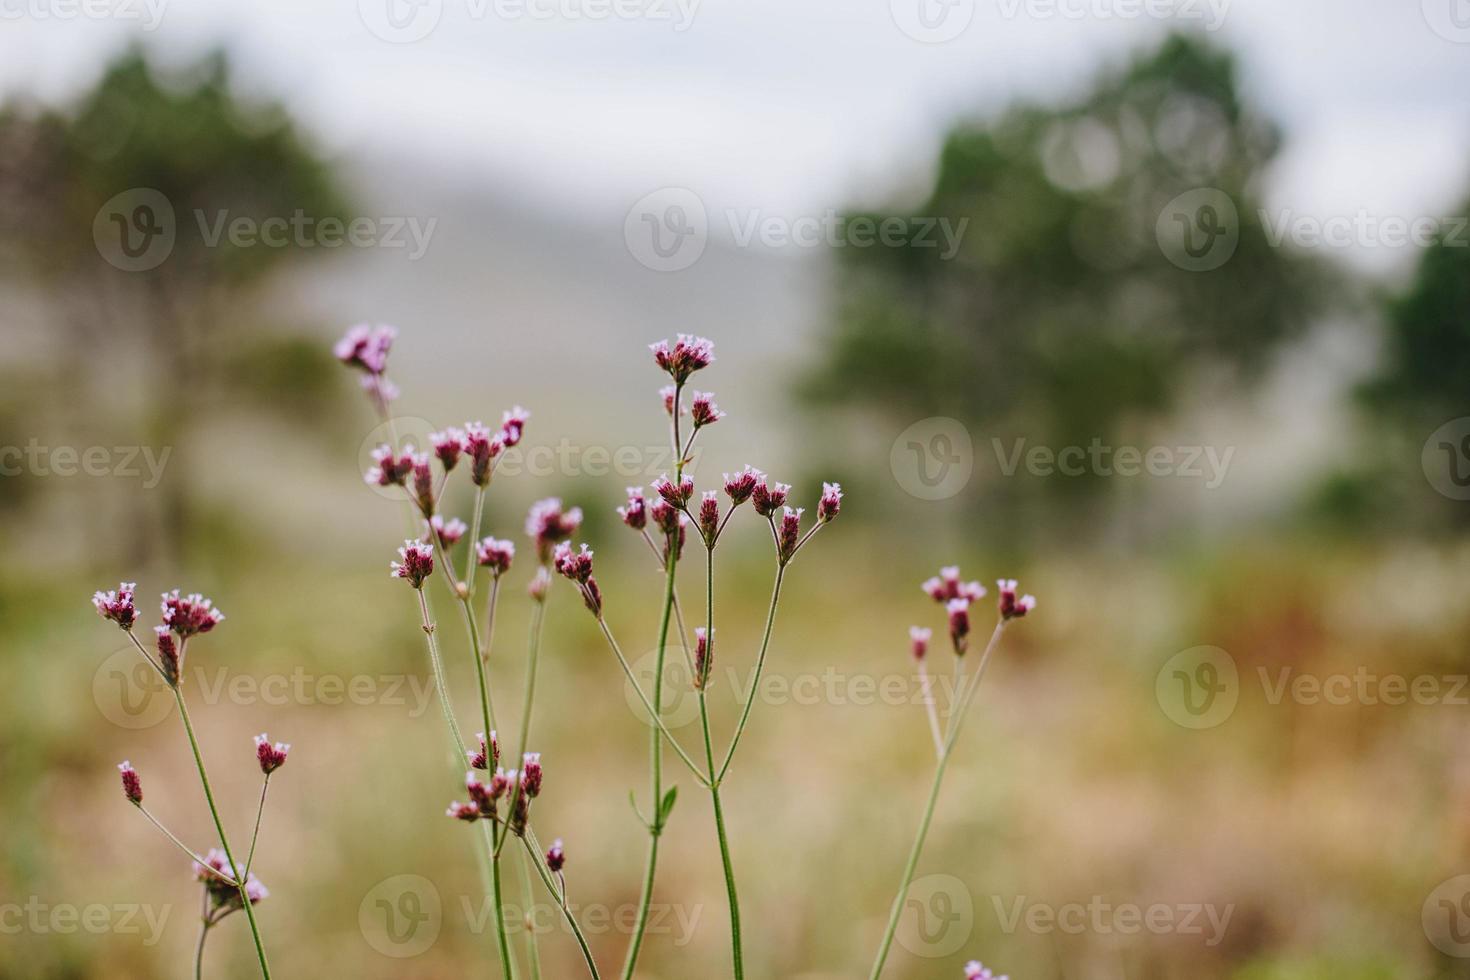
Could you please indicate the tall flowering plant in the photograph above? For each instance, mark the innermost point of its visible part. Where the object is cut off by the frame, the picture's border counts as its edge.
(956, 597)
(499, 800)
(227, 885)
(664, 525)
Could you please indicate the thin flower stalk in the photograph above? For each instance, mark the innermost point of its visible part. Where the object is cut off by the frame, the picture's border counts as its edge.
(956, 597)
(224, 879)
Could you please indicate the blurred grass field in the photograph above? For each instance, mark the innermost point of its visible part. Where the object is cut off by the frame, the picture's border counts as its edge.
(1322, 828)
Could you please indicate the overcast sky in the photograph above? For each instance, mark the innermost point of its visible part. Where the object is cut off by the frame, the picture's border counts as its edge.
(790, 107)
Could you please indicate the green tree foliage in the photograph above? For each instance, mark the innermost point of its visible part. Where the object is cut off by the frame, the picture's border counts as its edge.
(198, 323)
(1061, 318)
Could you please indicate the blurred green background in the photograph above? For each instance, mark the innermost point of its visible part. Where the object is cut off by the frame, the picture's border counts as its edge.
(182, 423)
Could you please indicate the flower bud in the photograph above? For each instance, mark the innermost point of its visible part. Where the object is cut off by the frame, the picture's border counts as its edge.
(531, 774)
(920, 637)
(769, 498)
(687, 355)
(1010, 606)
(482, 448)
(556, 856)
(423, 484)
(635, 514)
(703, 657)
(959, 623)
(495, 554)
(512, 425)
(131, 784)
(189, 615)
(389, 470)
(448, 532)
(703, 409)
(547, 524)
(270, 757)
(676, 495)
(417, 563)
(709, 516)
(448, 446)
(168, 655)
(830, 503)
(788, 535)
(739, 486)
(489, 755)
(117, 605)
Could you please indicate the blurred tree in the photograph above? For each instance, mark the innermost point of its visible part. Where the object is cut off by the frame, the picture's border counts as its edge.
(1085, 296)
(1425, 377)
(1422, 383)
(145, 167)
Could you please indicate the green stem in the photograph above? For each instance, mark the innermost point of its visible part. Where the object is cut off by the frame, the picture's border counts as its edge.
(184, 847)
(655, 751)
(255, 835)
(648, 706)
(736, 951)
(437, 664)
(956, 720)
(533, 952)
(497, 895)
(204, 925)
(908, 869)
(533, 848)
(265, 970)
(760, 664)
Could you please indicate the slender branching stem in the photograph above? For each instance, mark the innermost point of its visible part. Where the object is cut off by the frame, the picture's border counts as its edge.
(470, 566)
(204, 924)
(149, 657)
(656, 826)
(533, 952)
(963, 699)
(185, 848)
(437, 664)
(648, 705)
(219, 826)
(491, 605)
(497, 898)
(255, 834)
(736, 948)
(538, 618)
(928, 691)
(760, 663)
(533, 849)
